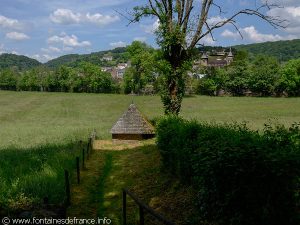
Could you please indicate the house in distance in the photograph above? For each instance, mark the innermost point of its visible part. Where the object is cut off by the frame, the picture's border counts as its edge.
(216, 59)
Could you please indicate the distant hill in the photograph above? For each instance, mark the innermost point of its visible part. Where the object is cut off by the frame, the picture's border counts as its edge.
(19, 62)
(119, 55)
(282, 50)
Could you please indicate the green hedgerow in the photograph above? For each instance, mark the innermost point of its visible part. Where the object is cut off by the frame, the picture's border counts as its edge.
(242, 177)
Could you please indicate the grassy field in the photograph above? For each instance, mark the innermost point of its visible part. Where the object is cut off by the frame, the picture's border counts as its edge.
(38, 132)
(29, 119)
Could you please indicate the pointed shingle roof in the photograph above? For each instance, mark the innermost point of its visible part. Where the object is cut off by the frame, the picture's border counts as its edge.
(132, 122)
(230, 53)
(204, 56)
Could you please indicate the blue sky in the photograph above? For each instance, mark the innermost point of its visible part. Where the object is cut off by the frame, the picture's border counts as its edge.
(46, 29)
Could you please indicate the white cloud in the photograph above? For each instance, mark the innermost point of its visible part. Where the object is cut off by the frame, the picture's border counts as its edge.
(69, 41)
(51, 49)
(9, 23)
(15, 52)
(118, 44)
(17, 36)
(251, 34)
(207, 40)
(41, 58)
(67, 49)
(291, 14)
(229, 34)
(141, 39)
(2, 49)
(214, 20)
(282, 2)
(100, 19)
(150, 29)
(67, 16)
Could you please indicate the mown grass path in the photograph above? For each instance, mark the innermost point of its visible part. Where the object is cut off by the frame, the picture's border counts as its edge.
(108, 170)
(132, 166)
(84, 197)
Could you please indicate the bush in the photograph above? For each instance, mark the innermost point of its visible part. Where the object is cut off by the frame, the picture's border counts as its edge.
(241, 176)
(206, 86)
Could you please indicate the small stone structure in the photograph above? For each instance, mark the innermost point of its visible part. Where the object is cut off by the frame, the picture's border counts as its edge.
(132, 126)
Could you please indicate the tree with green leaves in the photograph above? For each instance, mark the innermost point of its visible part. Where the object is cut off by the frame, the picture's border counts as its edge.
(8, 79)
(289, 80)
(182, 25)
(264, 73)
(142, 67)
(93, 79)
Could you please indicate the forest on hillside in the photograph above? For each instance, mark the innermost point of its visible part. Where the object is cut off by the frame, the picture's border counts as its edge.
(281, 50)
(254, 75)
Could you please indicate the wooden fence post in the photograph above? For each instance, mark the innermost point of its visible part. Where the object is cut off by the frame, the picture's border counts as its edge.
(67, 186)
(83, 158)
(124, 207)
(78, 170)
(91, 144)
(88, 151)
(142, 220)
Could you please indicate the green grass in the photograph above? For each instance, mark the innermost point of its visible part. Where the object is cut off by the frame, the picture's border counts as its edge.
(137, 169)
(28, 176)
(30, 119)
(38, 131)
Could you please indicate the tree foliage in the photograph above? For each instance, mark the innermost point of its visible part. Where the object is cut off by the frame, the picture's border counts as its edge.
(182, 24)
(260, 76)
(282, 50)
(18, 62)
(289, 80)
(142, 70)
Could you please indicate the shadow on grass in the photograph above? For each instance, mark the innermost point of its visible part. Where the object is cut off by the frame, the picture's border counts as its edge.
(139, 170)
(31, 176)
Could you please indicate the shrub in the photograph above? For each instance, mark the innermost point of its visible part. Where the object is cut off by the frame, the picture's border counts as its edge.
(241, 176)
(206, 86)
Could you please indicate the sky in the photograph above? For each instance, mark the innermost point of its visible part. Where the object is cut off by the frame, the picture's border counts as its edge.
(46, 29)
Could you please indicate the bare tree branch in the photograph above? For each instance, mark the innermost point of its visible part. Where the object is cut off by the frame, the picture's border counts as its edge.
(273, 21)
(210, 32)
(154, 10)
(188, 10)
(219, 8)
(206, 4)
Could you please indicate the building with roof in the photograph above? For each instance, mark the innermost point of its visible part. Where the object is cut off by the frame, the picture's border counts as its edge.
(132, 125)
(107, 57)
(217, 60)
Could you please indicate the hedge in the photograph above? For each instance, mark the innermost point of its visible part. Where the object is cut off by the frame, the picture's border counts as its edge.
(242, 177)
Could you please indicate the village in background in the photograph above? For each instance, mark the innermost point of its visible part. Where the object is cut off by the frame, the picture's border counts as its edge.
(245, 70)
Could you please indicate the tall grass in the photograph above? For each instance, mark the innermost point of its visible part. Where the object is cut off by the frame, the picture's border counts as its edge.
(38, 130)
(28, 176)
(30, 119)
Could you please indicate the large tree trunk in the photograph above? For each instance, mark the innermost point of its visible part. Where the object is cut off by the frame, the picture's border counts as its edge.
(172, 96)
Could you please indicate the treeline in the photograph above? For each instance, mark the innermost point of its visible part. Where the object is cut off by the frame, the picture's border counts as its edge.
(72, 60)
(247, 76)
(281, 50)
(86, 77)
(259, 76)
(18, 62)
